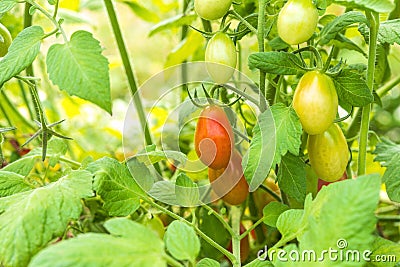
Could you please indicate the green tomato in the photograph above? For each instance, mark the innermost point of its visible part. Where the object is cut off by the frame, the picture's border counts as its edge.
(222, 58)
(5, 40)
(315, 102)
(212, 9)
(328, 153)
(297, 21)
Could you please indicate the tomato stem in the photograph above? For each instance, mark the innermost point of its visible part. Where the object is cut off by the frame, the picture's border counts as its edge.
(244, 21)
(236, 217)
(373, 18)
(171, 261)
(129, 73)
(206, 238)
(260, 37)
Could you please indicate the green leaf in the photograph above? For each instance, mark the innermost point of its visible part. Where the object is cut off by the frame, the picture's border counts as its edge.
(115, 185)
(7, 5)
(208, 263)
(32, 219)
(130, 244)
(388, 32)
(382, 67)
(141, 173)
(141, 11)
(281, 63)
(151, 156)
(383, 247)
(272, 211)
(385, 151)
(185, 49)
(187, 192)
(292, 177)
(343, 215)
(173, 22)
(212, 227)
(12, 183)
(351, 88)
(381, 6)
(259, 263)
(288, 131)
(79, 68)
(391, 178)
(22, 166)
(181, 241)
(21, 53)
(341, 211)
(258, 159)
(291, 224)
(330, 31)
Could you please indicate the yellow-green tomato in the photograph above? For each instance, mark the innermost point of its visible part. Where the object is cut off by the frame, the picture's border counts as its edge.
(212, 9)
(328, 153)
(297, 21)
(315, 102)
(221, 58)
(5, 40)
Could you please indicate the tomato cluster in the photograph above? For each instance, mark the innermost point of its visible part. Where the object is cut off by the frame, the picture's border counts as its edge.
(214, 144)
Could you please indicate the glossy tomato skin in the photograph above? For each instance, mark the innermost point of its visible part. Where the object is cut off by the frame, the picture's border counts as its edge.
(328, 153)
(221, 58)
(297, 21)
(229, 183)
(214, 138)
(5, 40)
(315, 102)
(212, 9)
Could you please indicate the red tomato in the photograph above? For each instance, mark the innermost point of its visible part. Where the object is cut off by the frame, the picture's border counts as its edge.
(230, 183)
(322, 183)
(214, 138)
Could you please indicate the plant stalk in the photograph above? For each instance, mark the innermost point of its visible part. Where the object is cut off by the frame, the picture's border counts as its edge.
(129, 73)
(235, 217)
(260, 37)
(363, 141)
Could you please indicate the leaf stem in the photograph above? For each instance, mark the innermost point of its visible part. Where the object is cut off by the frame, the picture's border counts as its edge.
(220, 218)
(373, 18)
(251, 228)
(235, 217)
(388, 86)
(50, 17)
(171, 261)
(129, 73)
(271, 192)
(244, 21)
(229, 255)
(260, 37)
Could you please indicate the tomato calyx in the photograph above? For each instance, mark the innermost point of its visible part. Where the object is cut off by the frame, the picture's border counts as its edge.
(211, 101)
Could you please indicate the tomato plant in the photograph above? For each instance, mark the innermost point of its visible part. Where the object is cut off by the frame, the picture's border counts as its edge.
(241, 112)
(221, 53)
(214, 138)
(315, 102)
